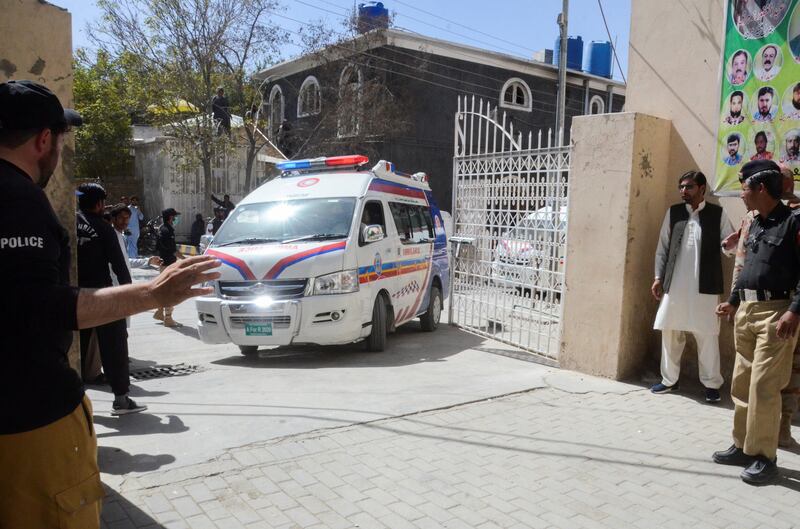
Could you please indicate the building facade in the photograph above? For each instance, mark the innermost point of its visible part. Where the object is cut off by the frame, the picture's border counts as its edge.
(392, 95)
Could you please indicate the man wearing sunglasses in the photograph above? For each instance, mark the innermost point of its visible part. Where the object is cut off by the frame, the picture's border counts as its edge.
(688, 284)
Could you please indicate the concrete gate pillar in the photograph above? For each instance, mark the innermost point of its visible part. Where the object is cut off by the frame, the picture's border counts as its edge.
(620, 186)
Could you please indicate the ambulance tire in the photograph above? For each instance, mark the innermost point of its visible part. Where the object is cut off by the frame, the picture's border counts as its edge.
(376, 341)
(248, 350)
(430, 320)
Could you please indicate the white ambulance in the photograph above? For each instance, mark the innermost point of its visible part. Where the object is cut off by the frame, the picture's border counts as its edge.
(328, 253)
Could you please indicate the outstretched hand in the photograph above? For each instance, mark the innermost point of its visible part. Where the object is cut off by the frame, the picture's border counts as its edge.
(177, 282)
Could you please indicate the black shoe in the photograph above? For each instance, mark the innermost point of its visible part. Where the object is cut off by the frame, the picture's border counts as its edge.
(760, 472)
(129, 406)
(660, 388)
(712, 395)
(733, 456)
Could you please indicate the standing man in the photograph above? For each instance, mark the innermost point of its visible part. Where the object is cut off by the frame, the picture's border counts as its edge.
(99, 253)
(48, 447)
(766, 302)
(226, 204)
(169, 254)
(218, 220)
(689, 282)
(198, 229)
(134, 227)
(736, 244)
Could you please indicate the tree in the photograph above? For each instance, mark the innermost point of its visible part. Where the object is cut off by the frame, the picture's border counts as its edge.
(102, 145)
(186, 49)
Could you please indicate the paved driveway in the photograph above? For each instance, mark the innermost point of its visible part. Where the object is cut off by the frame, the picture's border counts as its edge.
(234, 400)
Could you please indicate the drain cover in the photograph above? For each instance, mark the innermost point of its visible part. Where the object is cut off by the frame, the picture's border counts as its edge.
(163, 371)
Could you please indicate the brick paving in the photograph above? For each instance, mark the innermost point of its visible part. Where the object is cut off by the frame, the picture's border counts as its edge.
(538, 459)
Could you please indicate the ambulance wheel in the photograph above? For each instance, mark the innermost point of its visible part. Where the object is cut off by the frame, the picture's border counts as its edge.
(430, 320)
(376, 341)
(248, 350)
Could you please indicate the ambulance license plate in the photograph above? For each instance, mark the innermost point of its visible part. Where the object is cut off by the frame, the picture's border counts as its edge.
(258, 329)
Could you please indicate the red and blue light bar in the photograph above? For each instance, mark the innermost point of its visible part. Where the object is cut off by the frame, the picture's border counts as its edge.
(332, 161)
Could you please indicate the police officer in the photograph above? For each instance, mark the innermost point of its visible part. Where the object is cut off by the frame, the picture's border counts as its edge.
(168, 252)
(766, 303)
(98, 247)
(48, 449)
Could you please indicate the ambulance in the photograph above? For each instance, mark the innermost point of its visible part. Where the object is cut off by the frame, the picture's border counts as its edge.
(331, 252)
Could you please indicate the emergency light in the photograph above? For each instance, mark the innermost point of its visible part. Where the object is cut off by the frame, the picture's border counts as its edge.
(332, 161)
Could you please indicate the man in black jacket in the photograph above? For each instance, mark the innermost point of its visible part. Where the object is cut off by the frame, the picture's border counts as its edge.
(98, 247)
(168, 252)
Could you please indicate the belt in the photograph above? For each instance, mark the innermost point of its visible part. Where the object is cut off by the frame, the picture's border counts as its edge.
(745, 294)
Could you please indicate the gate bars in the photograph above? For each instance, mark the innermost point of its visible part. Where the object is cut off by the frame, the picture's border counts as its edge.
(510, 230)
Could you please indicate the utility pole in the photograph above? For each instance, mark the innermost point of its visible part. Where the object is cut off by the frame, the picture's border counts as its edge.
(562, 73)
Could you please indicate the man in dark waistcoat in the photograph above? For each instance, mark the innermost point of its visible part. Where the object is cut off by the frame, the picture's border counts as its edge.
(688, 283)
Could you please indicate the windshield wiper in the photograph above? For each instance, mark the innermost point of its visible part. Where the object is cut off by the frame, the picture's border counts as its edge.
(247, 240)
(316, 236)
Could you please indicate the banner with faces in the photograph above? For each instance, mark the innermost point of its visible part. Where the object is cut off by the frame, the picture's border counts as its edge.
(760, 89)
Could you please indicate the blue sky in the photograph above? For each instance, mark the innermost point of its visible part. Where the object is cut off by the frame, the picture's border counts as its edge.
(518, 27)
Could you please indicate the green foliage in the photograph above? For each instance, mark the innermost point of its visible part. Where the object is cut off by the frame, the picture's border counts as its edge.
(102, 144)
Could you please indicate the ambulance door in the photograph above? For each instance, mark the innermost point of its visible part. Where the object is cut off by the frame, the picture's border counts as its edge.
(416, 236)
(373, 256)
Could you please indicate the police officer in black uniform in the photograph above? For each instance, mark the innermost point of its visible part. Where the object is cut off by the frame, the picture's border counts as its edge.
(98, 247)
(48, 448)
(168, 252)
(766, 303)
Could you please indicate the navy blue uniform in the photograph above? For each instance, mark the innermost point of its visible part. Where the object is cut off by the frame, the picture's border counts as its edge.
(39, 311)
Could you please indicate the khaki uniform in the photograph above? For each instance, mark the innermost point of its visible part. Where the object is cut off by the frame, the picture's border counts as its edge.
(762, 368)
(62, 481)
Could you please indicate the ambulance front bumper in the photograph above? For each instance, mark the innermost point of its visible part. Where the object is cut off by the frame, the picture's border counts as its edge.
(323, 320)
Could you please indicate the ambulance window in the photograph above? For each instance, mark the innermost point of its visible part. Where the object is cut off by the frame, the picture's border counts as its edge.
(373, 214)
(414, 223)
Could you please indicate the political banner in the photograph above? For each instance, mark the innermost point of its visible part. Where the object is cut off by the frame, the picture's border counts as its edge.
(759, 115)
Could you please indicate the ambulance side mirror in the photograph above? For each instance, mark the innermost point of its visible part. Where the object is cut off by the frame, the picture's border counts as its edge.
(373, 233)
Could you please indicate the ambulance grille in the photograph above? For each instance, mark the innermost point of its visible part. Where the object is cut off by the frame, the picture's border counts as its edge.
(279, 290)
(278, 322)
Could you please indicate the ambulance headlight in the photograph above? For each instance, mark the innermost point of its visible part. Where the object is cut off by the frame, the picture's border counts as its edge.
(337, 283)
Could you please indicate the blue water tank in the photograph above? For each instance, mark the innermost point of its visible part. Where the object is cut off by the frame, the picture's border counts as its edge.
(372, 15)
(574, 53)
(598, 58)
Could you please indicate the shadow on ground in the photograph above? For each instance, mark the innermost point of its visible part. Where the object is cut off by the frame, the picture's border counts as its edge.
(140, 424)
(405, 347)
(116, 461)
(119, 512)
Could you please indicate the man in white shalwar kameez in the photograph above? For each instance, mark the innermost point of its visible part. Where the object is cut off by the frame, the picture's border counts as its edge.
(688, 281)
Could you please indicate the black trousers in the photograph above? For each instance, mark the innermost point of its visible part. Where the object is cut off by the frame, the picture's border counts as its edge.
(112, 340)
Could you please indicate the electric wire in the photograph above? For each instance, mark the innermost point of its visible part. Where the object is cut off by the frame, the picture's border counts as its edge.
(613, 48)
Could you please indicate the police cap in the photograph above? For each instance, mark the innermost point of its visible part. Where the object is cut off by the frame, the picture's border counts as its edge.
(26, 105)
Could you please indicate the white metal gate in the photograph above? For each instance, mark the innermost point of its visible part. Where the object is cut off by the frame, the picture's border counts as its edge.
(510, 230)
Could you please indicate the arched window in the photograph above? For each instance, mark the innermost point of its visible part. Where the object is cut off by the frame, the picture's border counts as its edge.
(276, 105)
(597, 105)
(349, 101)
(309, 99)
(516, 94)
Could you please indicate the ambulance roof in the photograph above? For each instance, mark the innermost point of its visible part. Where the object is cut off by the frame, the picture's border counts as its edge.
(328, 182)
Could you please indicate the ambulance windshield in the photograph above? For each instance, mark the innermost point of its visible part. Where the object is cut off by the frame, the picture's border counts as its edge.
(288, 221)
